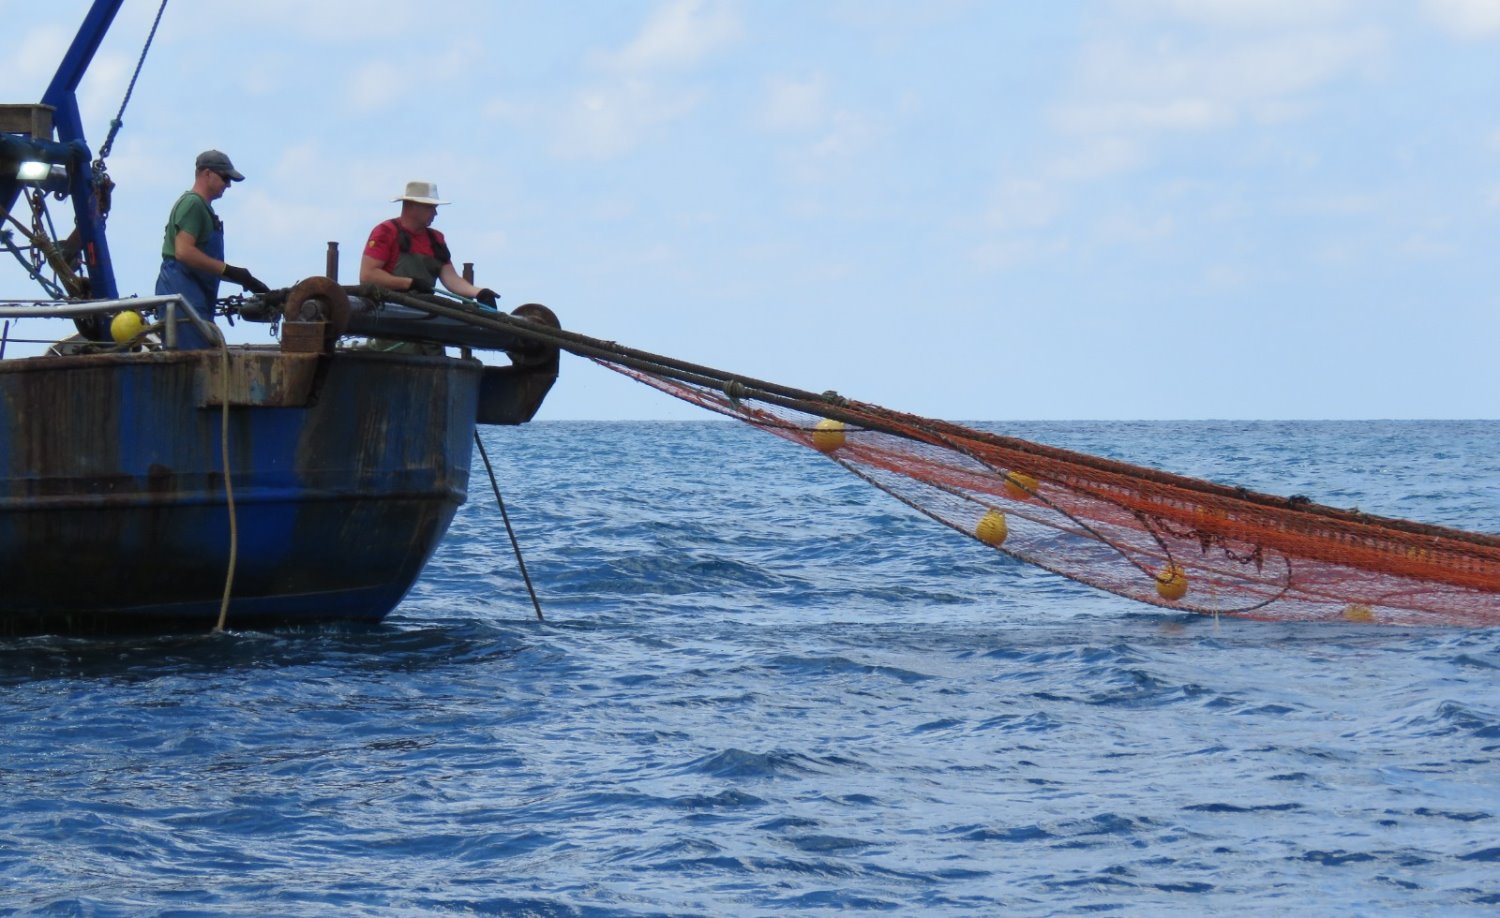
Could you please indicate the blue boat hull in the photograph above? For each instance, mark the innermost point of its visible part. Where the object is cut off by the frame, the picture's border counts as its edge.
(346, 471)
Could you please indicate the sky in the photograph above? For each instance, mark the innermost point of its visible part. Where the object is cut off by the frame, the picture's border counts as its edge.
(989, 210)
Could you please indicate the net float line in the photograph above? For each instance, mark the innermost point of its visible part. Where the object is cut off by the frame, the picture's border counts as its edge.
(1149, 535)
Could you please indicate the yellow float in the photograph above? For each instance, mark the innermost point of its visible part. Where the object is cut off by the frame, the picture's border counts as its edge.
(126, 326)
(1019, 485)
(992, 529)
(828, 435)
(1171, 583)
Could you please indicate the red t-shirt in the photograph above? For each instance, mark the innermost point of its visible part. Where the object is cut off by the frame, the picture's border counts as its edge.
(385, 245)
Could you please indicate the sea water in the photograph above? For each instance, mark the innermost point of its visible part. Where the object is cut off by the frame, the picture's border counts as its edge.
(763, 687)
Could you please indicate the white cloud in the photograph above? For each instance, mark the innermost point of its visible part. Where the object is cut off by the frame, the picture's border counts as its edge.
(1133, 93)
(1421, 245)
(510, 109)
(1135, 229)
(1096, 158)
(1241, 14)
(330, 21)
(302, 166)
(458, 60)
(612, 117)
(1159, 69)
(1280, 111)
(608, 120)
(998, 255)
(375, 85)
(1350, 204)
(796, 104)
(827, 139)
(275, 215)
(1466, 19)
(1163, 85)
(1022, 204)
(846, 136)
(1128, 115)
(897, 20)
(1225, 276)
(103, 89)
(679, 34)
(37, 55)
(273, 72)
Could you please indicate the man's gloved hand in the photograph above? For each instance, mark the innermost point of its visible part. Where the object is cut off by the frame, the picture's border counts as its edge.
(238, 275)
(420, 286)
(488, 297)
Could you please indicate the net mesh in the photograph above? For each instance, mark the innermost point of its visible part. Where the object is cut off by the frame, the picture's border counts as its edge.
(1163, 539)
(1148, 535)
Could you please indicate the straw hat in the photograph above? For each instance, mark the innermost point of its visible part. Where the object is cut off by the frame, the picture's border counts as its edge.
(420, 193)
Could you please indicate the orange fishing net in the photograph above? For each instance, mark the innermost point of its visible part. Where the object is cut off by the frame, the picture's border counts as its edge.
(1148, 535)
(1155, 537)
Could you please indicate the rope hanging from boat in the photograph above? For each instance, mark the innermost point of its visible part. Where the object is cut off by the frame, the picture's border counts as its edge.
(1149, 535)
(234, 525)
(515, 543)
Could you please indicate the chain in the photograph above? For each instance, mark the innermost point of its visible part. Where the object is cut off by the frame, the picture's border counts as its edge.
(117, 123)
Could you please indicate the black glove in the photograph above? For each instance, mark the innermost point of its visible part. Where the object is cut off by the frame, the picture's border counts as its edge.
(420, 286)
(488, 297)
(237, 275)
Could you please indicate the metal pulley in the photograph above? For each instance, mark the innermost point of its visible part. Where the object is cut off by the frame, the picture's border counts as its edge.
(319, 299)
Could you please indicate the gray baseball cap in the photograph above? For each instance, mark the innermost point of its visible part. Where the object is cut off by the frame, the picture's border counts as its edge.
(218, 162)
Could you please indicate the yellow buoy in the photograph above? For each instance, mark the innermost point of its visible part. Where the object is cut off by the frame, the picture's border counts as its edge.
(125, 326)
(828, 435)
(1019, 485)
(992, 529)
(1171, 583)
(1359, 612)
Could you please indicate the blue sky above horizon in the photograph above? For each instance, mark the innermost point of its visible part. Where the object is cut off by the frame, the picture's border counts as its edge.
(969, 210)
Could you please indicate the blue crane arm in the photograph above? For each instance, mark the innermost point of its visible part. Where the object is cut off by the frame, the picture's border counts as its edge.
(62, 94)
(71, 149)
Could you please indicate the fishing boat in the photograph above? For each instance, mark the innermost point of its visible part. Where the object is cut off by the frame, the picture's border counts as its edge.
(146, 486)
(302, 480)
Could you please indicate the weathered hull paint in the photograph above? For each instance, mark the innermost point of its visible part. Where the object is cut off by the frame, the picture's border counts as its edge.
(346, 473)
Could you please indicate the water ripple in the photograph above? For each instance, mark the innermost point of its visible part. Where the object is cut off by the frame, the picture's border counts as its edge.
(763, 688)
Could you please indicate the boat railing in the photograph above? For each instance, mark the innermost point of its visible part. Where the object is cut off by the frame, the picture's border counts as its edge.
(175, 306)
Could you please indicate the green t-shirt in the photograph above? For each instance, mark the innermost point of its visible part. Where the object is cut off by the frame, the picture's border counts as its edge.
(191, 214)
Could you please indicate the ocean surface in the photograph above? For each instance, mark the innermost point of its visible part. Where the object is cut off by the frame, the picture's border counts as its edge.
(765, 688)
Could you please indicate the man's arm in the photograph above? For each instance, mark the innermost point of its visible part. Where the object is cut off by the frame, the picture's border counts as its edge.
(372, 271)
(455, 282)
(185, 249)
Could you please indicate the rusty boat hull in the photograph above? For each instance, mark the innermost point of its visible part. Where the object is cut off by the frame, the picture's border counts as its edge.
(142, 483)
(344, 471)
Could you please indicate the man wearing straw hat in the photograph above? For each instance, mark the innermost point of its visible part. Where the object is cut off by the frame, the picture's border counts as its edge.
(407, 255)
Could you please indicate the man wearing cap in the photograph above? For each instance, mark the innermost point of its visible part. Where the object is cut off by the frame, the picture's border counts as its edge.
(407, 255)
(192, 249)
